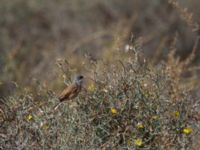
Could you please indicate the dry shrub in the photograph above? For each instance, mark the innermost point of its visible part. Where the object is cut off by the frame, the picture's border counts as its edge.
(126, 104)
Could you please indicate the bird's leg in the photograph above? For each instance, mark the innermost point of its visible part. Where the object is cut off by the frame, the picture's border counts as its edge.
(56, 107)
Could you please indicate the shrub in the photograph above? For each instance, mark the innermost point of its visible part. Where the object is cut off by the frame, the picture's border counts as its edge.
(126, 104)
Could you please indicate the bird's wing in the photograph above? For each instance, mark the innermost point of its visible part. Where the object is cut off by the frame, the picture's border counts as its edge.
(67, 92)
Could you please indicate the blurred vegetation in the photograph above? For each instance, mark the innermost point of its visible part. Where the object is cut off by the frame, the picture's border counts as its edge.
(35, 33)
(141, 60)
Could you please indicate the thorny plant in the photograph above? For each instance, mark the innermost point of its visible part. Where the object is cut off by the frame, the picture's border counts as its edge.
(127, 104)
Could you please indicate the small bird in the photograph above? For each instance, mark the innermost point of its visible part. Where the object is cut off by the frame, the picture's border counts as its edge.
(72, 90)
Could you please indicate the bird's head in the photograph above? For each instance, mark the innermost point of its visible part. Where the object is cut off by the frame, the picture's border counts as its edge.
(78, 79)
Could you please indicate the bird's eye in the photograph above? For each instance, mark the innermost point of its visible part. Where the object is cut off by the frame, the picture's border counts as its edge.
(81, 77)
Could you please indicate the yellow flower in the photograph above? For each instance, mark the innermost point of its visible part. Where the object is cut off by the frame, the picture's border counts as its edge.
(140, 125)
(129, 142)
(29, 117)
(113, 110)
(45, 126)
(187, 130)
(146, 94)
(91, 87)
(138, 142)
(177, 114)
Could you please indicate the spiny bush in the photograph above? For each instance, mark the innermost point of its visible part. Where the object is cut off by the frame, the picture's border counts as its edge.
(126, 104)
